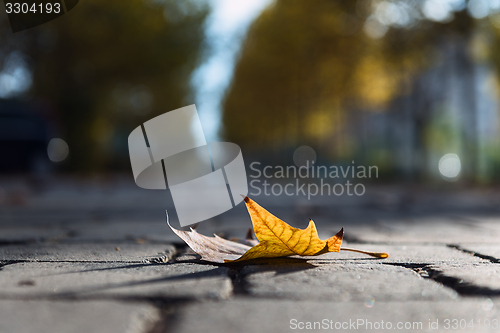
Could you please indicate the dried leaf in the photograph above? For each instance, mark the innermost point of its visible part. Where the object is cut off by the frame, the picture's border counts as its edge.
(214, 249)
(248, 240)
(276, 239)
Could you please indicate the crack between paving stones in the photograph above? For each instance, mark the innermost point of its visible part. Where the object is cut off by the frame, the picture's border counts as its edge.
(461, 287)
(168, 307)
(158, 302)
(169, 315)
(70, 241)
(168, 257)
(160, 258)
(170, 311)
(474, 253)
(76, 261)
(238, 280)
(17, 242)
(4, 263)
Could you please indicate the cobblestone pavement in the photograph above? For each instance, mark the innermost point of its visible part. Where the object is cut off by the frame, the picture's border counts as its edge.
(95, 255)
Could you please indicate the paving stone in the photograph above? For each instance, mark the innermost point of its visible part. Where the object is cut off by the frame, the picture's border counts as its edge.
(62, 193)
(484, 275)
(250, 315)
(404, 254)
(446, 230)
(488, 222)
(75, 317)
(154, 229)
(112, 251)
(341, 281)
(74, 270)
(23, 233)
(45, 216)
(369, 225)
(491, 250)
(45, 279)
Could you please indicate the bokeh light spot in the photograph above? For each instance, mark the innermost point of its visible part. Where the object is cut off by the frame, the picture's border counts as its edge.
(57, 150)
(369, 302)
(450, 166)
(304, 156)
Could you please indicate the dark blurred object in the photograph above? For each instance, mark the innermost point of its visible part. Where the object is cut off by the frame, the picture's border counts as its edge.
(24, 136)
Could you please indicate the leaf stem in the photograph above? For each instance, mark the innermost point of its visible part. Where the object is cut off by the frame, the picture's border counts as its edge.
(373, 254)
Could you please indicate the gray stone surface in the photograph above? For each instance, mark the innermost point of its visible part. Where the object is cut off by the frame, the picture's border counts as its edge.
(90, 255)
(485, 222)
(153, 229)
(444, 230)
(482, 275)
(341, 281)
(76, 317)
(82, 225)
(490, 250)
(250, 315)
(406, 254)
(34, 280)
(20, 233)
(110, 252)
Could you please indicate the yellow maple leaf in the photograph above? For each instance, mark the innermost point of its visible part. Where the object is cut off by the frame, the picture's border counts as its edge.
(278, 239)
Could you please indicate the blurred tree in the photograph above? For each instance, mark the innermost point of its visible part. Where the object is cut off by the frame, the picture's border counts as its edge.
(310, 71)
(302, 66)
(107, 66)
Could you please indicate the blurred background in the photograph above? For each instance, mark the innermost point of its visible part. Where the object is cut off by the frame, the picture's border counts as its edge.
(405, 85)
(409, 86)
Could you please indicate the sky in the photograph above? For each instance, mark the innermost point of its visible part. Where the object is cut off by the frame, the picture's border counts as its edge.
(225, 28)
